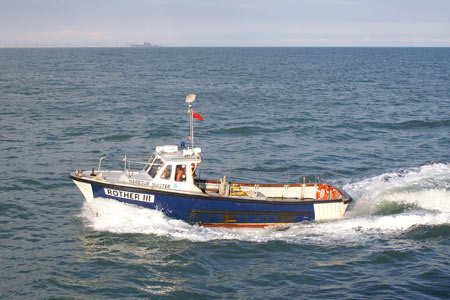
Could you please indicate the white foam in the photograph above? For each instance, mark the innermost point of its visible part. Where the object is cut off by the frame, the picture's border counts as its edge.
(357, 230)
(113, 216)
(427, 188)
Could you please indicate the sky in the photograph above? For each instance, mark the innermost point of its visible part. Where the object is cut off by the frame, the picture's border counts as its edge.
(274, 23)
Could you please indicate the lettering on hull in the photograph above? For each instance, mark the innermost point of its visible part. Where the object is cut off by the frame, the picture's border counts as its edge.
(150, 184)
(130, 195)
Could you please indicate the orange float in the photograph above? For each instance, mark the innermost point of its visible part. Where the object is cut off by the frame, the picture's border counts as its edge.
(322, 192)
(335, 194)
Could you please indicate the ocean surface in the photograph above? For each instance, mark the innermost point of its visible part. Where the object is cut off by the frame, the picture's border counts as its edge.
(374, 121)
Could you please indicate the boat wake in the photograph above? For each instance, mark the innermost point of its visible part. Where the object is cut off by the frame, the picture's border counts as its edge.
(384, 206)
(424, 188)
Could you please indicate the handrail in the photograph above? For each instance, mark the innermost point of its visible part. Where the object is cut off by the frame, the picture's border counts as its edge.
(236, 175)
(125, 160)
(138, 162)
(100, 162)
(233, 174)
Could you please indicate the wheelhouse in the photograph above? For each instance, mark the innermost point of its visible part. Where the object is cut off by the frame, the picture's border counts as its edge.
(173, 167)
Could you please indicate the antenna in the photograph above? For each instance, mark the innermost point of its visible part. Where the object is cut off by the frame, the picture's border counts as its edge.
(189, 100)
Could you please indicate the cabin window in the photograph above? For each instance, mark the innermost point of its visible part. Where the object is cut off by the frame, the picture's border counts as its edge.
(167, 173)
(156, 166)
(148, 164)
(180, 173)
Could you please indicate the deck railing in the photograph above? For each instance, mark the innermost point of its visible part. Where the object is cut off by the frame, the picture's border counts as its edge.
(258, 177)
(233, 175)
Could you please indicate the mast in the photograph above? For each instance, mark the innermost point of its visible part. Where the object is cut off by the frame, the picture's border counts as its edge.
(189, 100)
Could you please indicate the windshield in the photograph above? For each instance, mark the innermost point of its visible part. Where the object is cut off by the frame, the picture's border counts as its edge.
(148, 164)
(154, 168)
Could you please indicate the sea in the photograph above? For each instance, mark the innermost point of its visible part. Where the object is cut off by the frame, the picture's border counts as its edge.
(373, 121)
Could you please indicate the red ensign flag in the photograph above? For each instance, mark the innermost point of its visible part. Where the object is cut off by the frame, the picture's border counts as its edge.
(197, 116)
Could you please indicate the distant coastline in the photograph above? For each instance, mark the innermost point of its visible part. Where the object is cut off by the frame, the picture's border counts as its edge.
(145, 45)
(149, 45)
(80, 45)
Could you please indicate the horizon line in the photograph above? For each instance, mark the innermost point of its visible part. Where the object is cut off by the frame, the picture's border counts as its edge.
(28, 46)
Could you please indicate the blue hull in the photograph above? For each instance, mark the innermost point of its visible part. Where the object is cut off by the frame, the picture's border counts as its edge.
(212, 211)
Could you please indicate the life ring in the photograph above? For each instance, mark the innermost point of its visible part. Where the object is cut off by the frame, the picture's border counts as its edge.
(322, 192)
(335, 194)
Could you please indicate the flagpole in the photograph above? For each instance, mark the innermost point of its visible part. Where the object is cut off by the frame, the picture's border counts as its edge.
(190, 99)
(192, 125)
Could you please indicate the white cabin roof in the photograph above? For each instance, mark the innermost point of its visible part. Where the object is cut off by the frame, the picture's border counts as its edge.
(171, 153)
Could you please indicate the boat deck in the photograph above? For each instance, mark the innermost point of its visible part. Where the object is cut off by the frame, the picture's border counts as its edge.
(217, 189)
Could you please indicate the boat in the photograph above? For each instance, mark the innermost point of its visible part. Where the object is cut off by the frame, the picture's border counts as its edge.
(168, 182)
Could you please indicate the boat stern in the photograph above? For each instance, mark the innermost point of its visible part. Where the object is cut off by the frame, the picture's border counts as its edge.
(330, 209)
